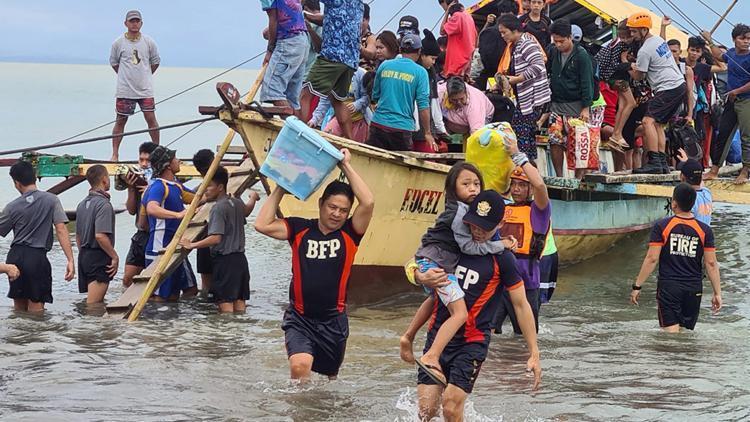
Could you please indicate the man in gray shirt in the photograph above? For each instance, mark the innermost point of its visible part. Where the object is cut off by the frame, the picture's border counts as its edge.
(656, 64)
(135, 58)
(226, 238)
(31, 217)
(95, 237)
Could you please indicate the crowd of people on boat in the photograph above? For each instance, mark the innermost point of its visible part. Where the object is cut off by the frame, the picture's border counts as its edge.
(483, 260)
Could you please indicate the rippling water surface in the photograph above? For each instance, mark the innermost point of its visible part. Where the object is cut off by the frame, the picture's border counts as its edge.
(603, 359)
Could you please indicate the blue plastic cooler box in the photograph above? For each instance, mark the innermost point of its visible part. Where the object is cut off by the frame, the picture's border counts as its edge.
(300, 159)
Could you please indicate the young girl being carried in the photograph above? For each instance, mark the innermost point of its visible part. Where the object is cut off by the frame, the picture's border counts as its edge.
(442, 247)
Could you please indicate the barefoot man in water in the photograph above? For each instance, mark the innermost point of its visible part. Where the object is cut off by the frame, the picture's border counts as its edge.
(482, 279)
(315, 324)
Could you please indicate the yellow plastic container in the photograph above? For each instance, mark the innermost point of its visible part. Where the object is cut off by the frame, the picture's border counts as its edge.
(485, 148)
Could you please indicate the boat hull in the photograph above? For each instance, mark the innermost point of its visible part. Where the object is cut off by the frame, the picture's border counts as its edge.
(409, 196)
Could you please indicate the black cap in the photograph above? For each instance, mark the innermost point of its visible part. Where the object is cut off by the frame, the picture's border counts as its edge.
(486, 211)
(692, 170)
(408, 25)
(430, 46)
(160, 158)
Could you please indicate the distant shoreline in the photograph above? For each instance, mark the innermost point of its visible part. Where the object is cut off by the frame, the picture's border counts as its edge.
(83, 63)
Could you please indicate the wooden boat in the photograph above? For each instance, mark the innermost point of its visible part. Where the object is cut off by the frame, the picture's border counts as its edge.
(409, 196)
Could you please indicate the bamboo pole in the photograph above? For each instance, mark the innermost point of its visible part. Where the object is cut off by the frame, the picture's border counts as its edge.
(164, 259)
(724, 16)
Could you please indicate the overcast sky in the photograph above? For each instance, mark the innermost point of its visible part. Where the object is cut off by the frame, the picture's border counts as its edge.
(204, 33)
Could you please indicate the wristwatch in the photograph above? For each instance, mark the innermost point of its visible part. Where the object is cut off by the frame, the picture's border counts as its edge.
(636, 287)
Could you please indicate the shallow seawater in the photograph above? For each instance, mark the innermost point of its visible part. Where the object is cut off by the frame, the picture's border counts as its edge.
(603, 359)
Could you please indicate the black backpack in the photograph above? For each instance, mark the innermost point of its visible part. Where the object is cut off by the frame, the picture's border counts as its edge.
(682, 135)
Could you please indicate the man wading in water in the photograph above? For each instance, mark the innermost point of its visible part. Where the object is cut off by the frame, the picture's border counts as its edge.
(680, 244)
(315, 323)
(482, 279)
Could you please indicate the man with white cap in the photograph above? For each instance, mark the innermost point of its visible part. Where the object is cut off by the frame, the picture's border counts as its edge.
(400, 83)
(135, 58)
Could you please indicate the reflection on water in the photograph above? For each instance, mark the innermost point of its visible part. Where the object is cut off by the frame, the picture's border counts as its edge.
(603, 359)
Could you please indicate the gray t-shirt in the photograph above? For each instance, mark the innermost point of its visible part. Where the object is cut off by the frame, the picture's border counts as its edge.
(31, 217)
(135, 58)
(95, 215)
(572, 109)
(227, 219)
(656, 61)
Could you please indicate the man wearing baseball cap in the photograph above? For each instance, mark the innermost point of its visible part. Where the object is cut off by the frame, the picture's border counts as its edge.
(691, 172)
(408, 25)
(483, 279)
(163, 202)
(400, 83)
(135, 58)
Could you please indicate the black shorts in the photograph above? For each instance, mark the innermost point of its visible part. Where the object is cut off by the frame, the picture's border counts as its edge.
(137, 252)
(505, 309)
(461, 365)
(92, 266)
(35, 281)
(631, 125)
(231, 278)
(325, 340)
(204, 262)
(392, 140)
(666, 104)
(678, 304)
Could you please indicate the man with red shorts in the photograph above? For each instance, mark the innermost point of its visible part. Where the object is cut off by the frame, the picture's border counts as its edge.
(135, 58)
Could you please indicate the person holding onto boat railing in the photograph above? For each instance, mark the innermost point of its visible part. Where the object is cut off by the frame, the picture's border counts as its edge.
(135, 58)
(315, 324)
(656, 64)
(737, 108)
(681, 246)
(32, 217)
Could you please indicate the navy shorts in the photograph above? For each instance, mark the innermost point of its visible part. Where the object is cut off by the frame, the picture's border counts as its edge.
(35, 281)
(231, 278)
(181, 279)
(325, 339)
(461, 365)
(92, 266)
(678, 304)
(666, 104)
(204, 261)
(137, 252)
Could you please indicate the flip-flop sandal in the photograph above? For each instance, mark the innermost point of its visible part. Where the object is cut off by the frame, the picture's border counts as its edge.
(613, 145)
(433, 372)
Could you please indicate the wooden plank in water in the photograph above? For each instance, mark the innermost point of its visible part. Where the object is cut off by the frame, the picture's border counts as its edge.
(649, 178)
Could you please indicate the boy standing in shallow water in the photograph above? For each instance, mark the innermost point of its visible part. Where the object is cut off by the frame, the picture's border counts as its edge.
(95, 237)
(226, 240)
(31, 217)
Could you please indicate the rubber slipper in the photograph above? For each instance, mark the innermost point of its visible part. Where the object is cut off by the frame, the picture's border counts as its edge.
(433, 372)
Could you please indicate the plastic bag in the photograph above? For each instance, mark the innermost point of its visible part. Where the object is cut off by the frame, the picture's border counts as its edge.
(486, 149)
(735, 150)
(583, 145)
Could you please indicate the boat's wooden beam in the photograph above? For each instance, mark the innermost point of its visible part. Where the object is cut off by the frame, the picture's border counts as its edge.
(66, 184)
(722, 190)
(650, 178)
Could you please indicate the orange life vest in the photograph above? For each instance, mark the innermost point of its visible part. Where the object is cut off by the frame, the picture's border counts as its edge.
(517, 223)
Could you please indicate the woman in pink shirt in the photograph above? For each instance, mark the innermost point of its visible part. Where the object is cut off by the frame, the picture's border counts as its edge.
(459, 27)
(465, 108)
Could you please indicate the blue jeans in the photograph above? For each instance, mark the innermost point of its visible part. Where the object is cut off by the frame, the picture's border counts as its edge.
(286, 71)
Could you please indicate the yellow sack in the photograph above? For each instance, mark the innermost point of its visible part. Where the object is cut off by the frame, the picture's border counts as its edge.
(485, 148)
